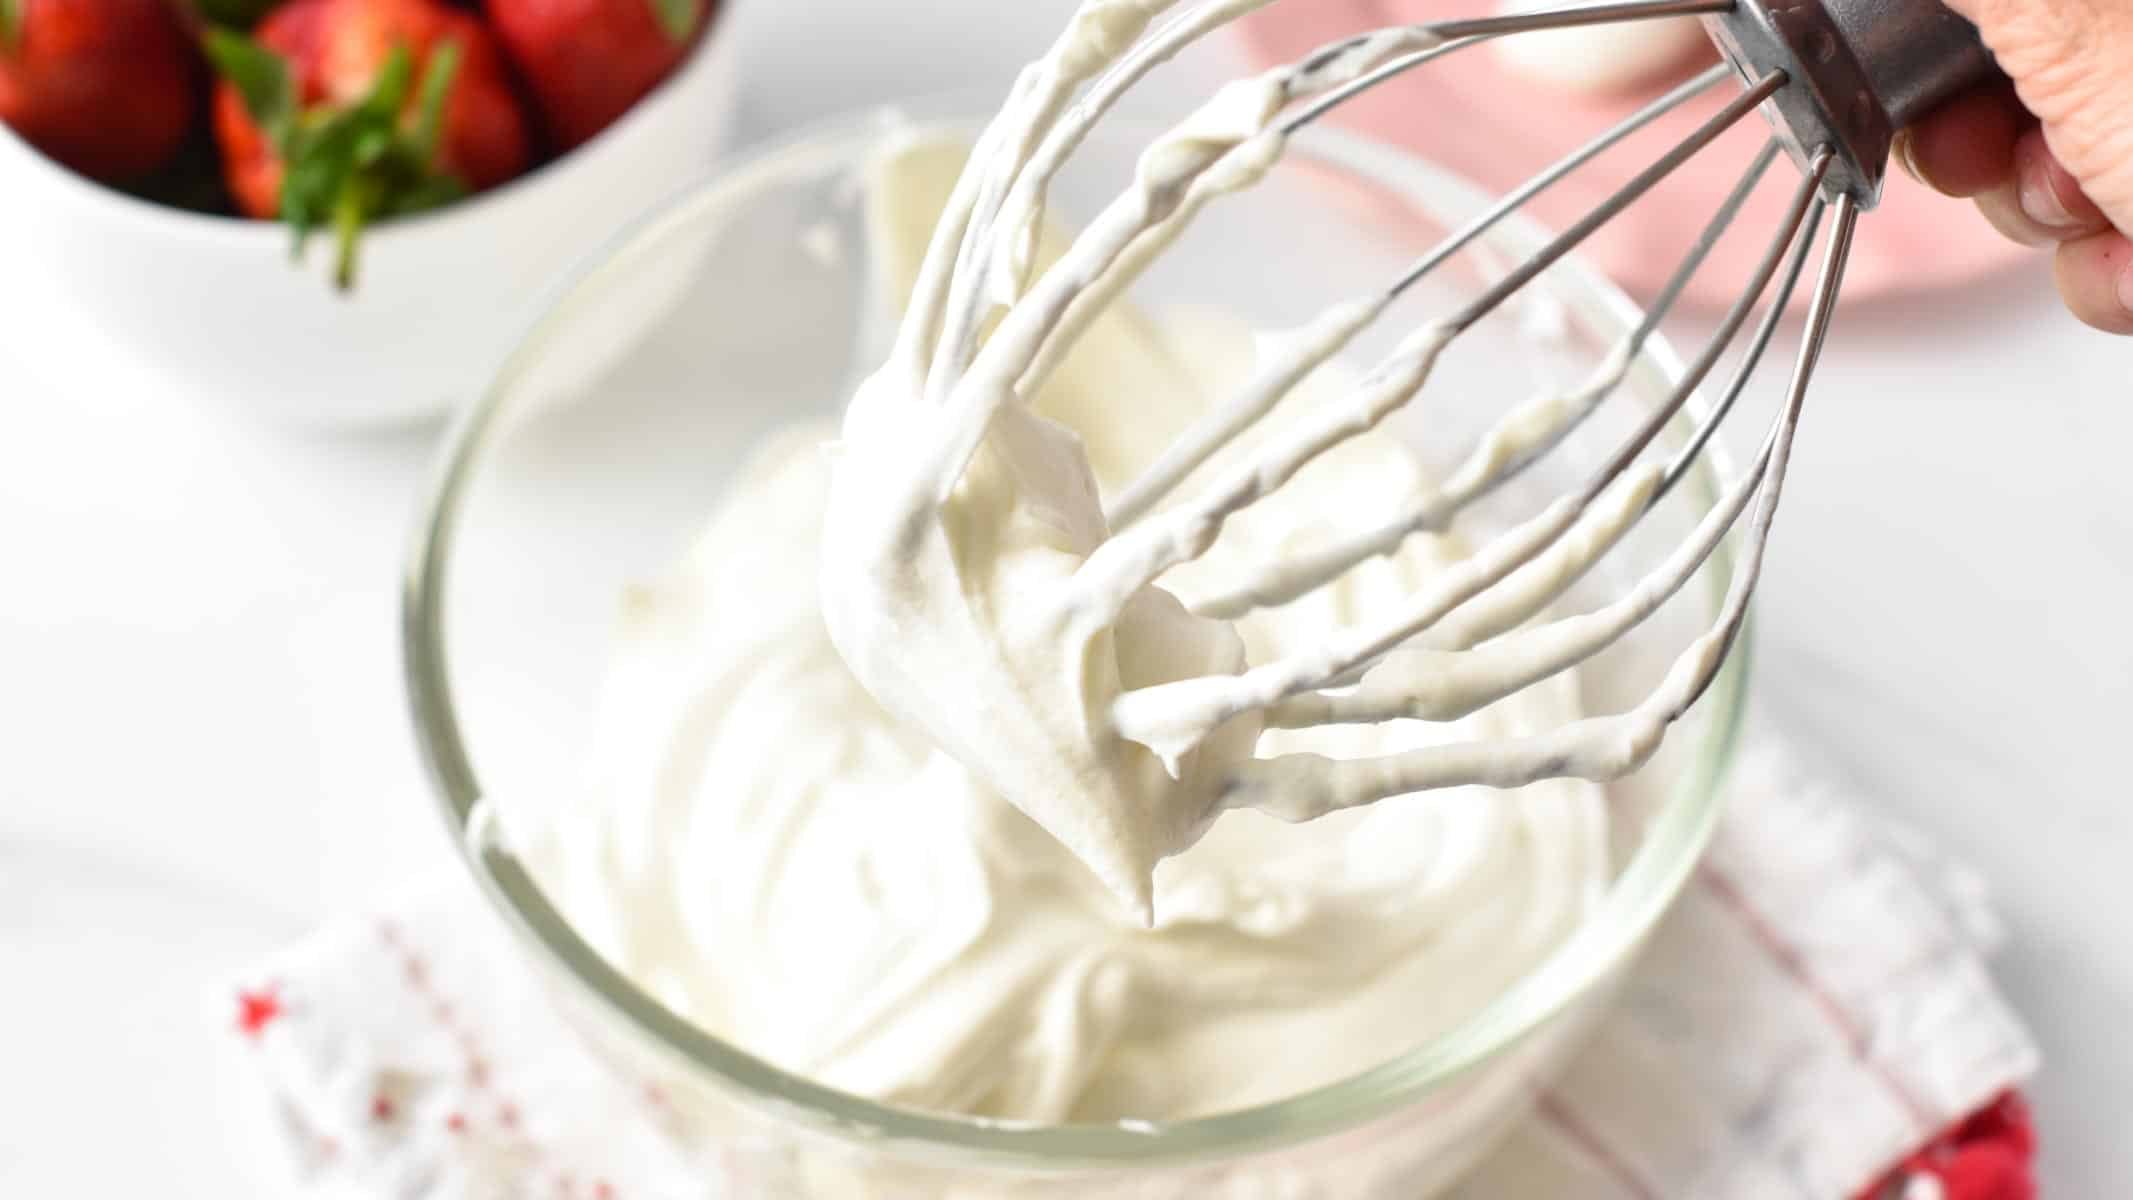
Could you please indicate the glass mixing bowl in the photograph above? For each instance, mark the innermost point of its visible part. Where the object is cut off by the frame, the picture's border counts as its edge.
(605, 440)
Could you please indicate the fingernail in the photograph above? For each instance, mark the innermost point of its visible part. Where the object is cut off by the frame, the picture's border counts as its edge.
(1900, 150)
(2041, 204)
(2034, 189)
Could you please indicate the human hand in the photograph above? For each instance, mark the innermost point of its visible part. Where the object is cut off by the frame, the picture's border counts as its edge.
(2049, 158)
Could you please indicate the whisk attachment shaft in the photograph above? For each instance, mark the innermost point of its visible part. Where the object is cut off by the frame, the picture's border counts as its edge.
(1857, 71)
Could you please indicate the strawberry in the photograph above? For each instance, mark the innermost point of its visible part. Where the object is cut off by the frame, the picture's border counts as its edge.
(338, 112)
(104, 86)
(587, 61)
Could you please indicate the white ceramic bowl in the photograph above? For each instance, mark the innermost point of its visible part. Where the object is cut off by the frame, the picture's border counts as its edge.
(214, 306)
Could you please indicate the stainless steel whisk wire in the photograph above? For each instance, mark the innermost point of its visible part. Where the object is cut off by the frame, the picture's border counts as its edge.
(1835, 78)
(1795, 233)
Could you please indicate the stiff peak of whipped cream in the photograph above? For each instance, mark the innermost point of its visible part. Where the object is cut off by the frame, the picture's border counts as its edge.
(971, 579)
(1068, 626)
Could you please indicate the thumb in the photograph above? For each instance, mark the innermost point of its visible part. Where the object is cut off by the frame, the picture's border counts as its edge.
(2072, 65)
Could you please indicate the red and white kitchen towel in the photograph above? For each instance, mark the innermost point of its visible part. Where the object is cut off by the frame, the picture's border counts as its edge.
(1813, 1021)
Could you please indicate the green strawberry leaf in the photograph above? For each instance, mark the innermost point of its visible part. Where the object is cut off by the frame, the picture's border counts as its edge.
(11, 15)
(389, 90)
(234, 14)
(319, 158)
(434, 192)
(328, 148)
(261, 77)
(677, 18)
(376, 157)
(437, 78)
(369, 147)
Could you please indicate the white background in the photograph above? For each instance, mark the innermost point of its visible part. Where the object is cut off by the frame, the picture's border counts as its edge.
(203, 752)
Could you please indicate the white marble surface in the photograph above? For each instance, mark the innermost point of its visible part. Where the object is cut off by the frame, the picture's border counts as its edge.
(203, 752)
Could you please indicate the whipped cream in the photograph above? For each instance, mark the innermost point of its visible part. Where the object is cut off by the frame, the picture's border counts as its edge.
(803, 873)
(962, 519)
(981, 588)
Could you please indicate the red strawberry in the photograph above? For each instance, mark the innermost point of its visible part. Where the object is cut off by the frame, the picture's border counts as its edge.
(587, 61)
(341, 111)
(104, 86)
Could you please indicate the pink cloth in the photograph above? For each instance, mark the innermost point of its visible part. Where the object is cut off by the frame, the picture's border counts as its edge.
(1471, 114)
(1812, 1020)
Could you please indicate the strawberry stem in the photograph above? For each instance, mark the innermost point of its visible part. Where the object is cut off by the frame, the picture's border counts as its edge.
(11, 17)
(352, 207)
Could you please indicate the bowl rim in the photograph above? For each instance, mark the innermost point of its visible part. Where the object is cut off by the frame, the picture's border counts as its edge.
(232, 229)
(1634, 902)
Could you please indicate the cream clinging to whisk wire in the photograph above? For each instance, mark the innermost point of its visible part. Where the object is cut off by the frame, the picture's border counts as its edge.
(981, 587)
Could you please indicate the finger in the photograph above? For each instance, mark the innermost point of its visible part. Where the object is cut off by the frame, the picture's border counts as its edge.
(2096, 279)
(2070, 63)
(2049, 194)
(2039, 204)
(1967, 145)
(2002, 207)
